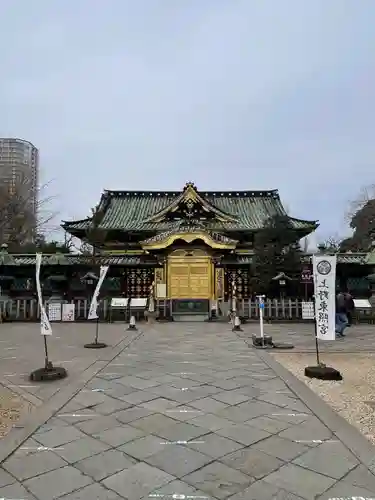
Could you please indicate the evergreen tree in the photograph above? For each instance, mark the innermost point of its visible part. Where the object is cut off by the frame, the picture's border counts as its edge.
(277, 250)
(363, 225)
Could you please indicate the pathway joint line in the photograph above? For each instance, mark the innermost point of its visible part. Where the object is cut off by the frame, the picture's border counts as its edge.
(11, 442)
(318, 441)
(183, 411)
(289, 414)
(341, 429)
(40, 448)
(177, 496)
(62, 415)
(182, 442)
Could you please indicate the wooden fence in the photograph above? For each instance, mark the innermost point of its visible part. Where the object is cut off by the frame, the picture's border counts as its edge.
(274, 310)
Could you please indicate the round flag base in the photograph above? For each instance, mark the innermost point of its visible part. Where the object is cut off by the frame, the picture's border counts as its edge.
(262, 342)
(237, 328)
(95, 345)
(282, 345)
(48, 374)
(322, 372)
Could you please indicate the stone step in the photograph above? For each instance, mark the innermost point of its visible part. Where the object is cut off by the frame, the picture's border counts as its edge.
(190, 317)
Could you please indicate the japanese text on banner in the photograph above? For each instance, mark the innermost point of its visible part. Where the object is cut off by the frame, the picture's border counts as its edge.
(94, 302)
(324, 269)
(45, 325)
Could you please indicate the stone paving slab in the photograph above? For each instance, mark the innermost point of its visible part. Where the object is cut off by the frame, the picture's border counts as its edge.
(359, 338)
(190, 411)
(22, 351)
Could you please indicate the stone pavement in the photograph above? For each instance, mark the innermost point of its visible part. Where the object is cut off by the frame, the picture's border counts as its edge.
(359, 338)
(22, 351)
(190, 411)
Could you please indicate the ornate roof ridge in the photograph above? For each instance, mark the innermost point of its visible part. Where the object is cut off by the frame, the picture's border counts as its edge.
(265, 193)
(190, 195)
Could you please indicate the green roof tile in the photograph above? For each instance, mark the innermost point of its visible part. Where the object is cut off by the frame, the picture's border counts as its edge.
(130, 210)
(128, 260)
(48, 260)
(344, 258)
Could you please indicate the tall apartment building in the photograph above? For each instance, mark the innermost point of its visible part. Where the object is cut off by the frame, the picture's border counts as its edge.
(19, 169)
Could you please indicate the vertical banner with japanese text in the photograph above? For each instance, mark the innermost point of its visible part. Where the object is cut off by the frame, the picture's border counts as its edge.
(45, 325)
(324, 272)
(94, 302)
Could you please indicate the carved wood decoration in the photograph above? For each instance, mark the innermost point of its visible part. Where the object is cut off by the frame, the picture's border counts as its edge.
(139, 282)
(219, 283)
(241, 278)
(159, 275)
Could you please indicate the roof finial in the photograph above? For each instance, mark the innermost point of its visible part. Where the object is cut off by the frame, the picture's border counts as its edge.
(189, 184)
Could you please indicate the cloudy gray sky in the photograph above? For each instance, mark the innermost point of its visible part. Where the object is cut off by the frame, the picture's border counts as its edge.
(232, 94)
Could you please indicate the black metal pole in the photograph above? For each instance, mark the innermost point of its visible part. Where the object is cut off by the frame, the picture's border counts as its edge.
(46, 360)
(316, 336)
(97, 330)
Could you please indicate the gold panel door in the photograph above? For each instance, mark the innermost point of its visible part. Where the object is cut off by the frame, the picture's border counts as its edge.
(199, 281)
(178, 280)
(190, 279)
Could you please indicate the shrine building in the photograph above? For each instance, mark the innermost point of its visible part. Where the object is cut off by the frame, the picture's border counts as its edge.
(192, 245)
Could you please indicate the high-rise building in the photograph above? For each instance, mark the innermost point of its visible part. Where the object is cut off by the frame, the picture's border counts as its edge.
(19, 169)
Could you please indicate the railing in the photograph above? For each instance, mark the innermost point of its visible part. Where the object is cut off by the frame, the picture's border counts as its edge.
(27, 309)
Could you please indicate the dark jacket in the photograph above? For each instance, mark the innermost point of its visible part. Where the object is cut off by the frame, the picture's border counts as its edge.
(349, 302)
(340, 303)
(344, 303)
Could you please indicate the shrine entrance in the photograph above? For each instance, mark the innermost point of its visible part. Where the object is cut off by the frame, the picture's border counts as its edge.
(190, 275)
(190, 270)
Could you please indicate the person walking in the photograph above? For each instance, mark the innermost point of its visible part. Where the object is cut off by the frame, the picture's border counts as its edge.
(341, 314)
(350, 306)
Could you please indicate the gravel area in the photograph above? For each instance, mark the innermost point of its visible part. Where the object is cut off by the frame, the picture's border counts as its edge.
(12, 407)
(354, 397)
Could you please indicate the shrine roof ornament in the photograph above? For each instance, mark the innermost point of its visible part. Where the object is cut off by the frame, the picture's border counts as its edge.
(190, 197)
(189, 234)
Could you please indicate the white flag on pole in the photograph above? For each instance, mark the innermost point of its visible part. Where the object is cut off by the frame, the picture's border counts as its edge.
(94, 302)
(324, 271)
(45, 325)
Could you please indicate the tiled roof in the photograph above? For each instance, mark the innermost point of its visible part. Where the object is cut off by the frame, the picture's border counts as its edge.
(25, 259)
(130, 210)
(345, 258)
(127, 260)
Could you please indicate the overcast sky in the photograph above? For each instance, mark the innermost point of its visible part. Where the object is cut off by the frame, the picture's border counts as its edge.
(231, 94)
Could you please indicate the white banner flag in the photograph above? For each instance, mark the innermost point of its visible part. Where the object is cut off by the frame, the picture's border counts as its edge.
(94, 302)
(45, 325)
(324, 271)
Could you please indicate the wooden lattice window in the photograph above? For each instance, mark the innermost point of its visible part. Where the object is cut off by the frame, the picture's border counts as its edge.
(139, 282)
(241, 277)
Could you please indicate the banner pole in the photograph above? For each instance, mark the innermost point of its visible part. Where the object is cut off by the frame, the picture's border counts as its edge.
(261, 324)
(321, 371)
(97, 330)
(46, 360)
(316, 334)
(93, 312)
(48, 372)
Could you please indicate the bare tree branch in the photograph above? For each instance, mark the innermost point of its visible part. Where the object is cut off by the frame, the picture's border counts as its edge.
(22, 214)
(332, 244)
(366, 194)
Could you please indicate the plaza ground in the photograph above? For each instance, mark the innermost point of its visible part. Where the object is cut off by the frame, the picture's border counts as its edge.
(176, 411)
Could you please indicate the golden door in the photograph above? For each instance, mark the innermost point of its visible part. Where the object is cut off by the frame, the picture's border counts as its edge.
(189, 278)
